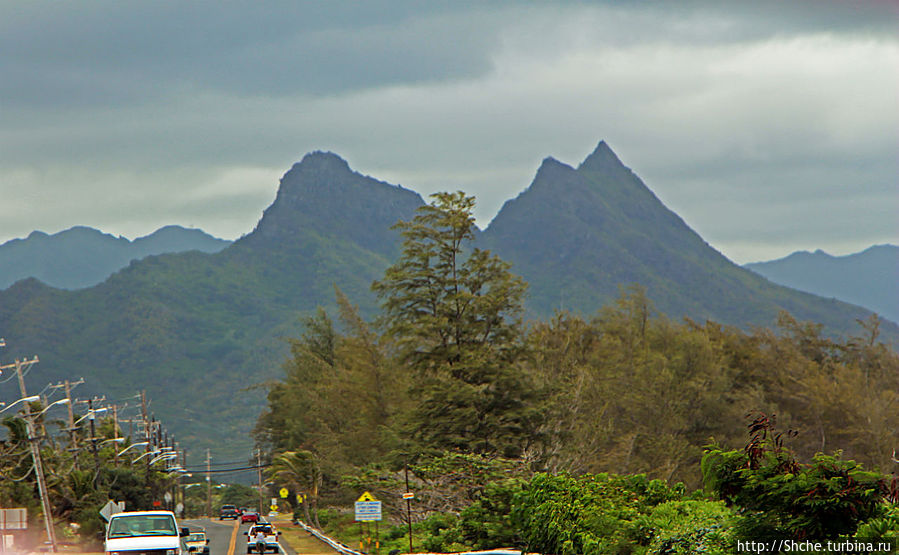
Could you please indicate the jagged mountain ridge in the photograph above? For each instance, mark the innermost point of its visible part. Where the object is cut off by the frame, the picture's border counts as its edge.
(601, 227)
(869, 278)
(82, 256)
(195, 330)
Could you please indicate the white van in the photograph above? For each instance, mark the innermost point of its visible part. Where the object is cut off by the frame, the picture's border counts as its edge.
(144, 533)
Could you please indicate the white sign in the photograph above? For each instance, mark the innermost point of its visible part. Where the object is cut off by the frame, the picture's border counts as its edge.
(111, 508)
(167, 497)
(368, 510)
(13, 519)
(179, 508)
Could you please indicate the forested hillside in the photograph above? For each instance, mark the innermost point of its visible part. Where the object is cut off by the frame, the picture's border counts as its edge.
(200, 331)
(869, 278)
(600, 227)
(81, 256)
(579, 435)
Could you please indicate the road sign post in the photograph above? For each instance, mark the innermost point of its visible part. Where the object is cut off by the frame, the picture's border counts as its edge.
(368, 509)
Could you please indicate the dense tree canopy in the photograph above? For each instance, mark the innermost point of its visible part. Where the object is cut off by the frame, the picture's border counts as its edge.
(449, 369)
(454, 313)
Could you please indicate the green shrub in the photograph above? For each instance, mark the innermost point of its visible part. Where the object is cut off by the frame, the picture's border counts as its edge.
(590, 514)
(824, 499)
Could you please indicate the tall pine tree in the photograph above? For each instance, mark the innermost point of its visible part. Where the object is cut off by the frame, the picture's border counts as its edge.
(455, 314)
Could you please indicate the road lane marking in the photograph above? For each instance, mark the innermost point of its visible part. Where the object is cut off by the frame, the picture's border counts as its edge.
(233, 537)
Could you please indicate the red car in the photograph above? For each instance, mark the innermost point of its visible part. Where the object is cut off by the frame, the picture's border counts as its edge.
(249, 516)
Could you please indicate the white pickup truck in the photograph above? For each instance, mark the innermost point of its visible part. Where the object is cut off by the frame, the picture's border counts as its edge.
(271, 538)
(144, 533)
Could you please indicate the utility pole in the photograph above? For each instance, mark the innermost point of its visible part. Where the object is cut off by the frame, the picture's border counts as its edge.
(408, 505)
(115, 434)
(259, 473)
(143, 403)
(208, 484)
(36, 456)
(183, 465)
(73, 432)
(90, 417)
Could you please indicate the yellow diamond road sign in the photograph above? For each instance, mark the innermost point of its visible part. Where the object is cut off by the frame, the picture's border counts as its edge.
(366, 497)
(283, 493)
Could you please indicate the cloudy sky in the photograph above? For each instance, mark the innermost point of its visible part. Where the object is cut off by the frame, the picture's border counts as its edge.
(768, 126)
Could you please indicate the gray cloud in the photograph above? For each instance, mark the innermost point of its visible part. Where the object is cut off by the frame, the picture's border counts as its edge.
(753, 121)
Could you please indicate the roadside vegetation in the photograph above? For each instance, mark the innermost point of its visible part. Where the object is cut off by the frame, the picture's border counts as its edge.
(621, 432)
(618, 432)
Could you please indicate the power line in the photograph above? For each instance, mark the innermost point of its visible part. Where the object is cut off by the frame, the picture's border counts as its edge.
(203, 465)
(224, 470)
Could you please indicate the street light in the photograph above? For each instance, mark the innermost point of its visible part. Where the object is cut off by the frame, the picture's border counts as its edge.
(164, 456)
(114, 439)
(154, 452)
(65, 401)
(31, 399)
(132, 446)
(90, 414)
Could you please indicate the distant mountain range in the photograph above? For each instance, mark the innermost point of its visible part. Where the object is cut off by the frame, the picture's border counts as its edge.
(199, 330)
(869, 278)
(82, 256)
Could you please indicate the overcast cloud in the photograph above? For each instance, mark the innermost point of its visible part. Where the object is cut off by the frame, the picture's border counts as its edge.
(769, 128)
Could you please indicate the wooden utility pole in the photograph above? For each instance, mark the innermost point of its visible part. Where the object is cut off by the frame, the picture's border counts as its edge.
(115, 434)
(183, 465)
(91, 416)
(36, 457)
(73, 432)
(259, 473)
(408, 505)
(208, 484)
(149, 447)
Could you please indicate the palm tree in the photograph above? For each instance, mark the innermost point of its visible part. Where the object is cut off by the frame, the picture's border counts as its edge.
(301, 470)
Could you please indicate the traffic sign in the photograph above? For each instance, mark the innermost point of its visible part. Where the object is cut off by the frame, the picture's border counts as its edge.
(408, 495)
(366, 497)
(111, 508)
(368, 510)
(300, 498)
(283, 492)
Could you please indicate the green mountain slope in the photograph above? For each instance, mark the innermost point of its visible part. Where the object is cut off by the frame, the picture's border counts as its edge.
(198, 331)
(82, 256)
(195, 329)
(869, 278)
(600, 227)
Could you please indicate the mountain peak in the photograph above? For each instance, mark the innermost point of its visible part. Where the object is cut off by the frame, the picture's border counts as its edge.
(321, 160)
(602, 158)
(323, 195)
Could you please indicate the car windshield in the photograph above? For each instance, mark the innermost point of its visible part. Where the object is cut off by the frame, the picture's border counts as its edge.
(196, 537)
(142, 525)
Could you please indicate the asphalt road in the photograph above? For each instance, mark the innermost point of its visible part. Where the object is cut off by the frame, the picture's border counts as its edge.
(218, 532)
(221, 532)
